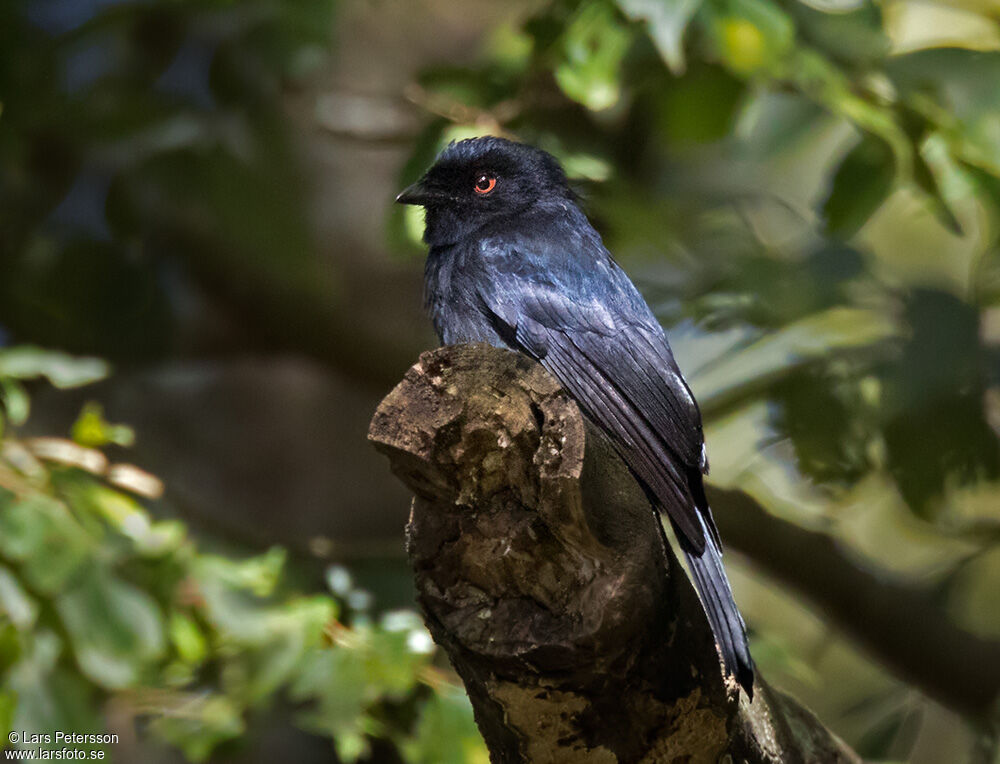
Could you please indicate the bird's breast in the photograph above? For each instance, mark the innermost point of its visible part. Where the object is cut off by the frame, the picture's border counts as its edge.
(453, 283)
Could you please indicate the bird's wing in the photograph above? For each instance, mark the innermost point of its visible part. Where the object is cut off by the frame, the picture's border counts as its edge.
(618, 366)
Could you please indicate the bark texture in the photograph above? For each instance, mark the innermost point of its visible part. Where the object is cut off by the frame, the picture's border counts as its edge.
(541, 572)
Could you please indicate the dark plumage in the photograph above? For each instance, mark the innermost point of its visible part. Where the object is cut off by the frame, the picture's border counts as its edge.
(514, 262)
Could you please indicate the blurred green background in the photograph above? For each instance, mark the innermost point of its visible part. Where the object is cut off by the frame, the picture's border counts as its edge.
(202, 274)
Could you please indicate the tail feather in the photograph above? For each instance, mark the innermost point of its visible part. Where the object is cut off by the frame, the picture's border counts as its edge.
(724, 617)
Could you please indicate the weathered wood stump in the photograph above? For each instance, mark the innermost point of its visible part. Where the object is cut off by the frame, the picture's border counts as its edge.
(541, 572)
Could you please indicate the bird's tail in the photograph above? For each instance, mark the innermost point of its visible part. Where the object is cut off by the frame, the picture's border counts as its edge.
(727, 624)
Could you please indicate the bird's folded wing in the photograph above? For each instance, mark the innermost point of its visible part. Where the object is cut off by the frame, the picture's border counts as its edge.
(623, 376)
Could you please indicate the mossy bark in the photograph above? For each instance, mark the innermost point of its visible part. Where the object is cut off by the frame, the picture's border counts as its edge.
(542, 573)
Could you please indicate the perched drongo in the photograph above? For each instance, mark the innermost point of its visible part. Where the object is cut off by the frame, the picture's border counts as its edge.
(515, 263)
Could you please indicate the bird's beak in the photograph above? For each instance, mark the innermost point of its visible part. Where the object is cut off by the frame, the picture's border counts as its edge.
(418, 193)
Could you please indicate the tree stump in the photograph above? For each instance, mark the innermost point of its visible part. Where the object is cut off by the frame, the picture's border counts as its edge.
(541, 571)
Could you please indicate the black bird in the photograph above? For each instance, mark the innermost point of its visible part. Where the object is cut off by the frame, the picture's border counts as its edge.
(515, 263)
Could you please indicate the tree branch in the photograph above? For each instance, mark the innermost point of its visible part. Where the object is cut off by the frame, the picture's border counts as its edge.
(899, 624)
(541, 571)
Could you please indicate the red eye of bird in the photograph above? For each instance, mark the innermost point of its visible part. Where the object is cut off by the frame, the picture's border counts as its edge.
(485, 184)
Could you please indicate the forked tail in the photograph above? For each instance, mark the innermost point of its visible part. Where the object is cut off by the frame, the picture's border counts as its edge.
(727, 624)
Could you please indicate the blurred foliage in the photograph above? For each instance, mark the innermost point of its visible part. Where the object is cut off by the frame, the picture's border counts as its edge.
(104, 604)
(142, 146)
(807, 192)
(707, 110)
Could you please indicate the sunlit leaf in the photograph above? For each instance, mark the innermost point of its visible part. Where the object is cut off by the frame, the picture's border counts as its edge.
(116, 630)
(446, 732)
(334, 681)
(666, 20)
(956, 89)
(15, 401)
(187, 638)
(279, 640)
(42, 536)
(593, 47)
(750, 370)
(974, 600)
(50, 697)
(751, 36)
(924, 177)
(15, 602)
(123, 513)
(61, 369)
(91, 429)
(258, 575)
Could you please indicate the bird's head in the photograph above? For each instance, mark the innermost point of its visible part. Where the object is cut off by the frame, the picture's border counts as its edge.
(480, 180)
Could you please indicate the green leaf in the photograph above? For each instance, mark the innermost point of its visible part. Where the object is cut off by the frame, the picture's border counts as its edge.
(744, 373)
(49, 696)
(987, 188)
(862, 182)
(829, 426)
(187, 638)
(390, 664)
(41, 534)
(116, 630)
(446, 732)
(258, 575)
(201, 725)
(592, 49)
(699, 107)
(936, 431)
(751, 36)
(667, 21)
(975, 599)
(281, 637)
(334, 679)
(956, 90)
(351, 746)
(122, 512)
(925, 178)
(509, 49)
(774, 122)
(20, 608)
(854, 35)
(61, 369)
(11, 646)
(91, 429)
(771, 292)
(15, 401)
(8, 705)
(273, 637)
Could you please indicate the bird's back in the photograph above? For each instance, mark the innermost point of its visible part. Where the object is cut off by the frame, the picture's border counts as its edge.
(552, 247)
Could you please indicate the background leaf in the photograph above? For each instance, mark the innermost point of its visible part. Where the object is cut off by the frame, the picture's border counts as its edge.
(667, 23)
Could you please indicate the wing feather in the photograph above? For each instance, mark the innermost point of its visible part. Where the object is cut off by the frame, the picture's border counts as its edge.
(624, 377)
